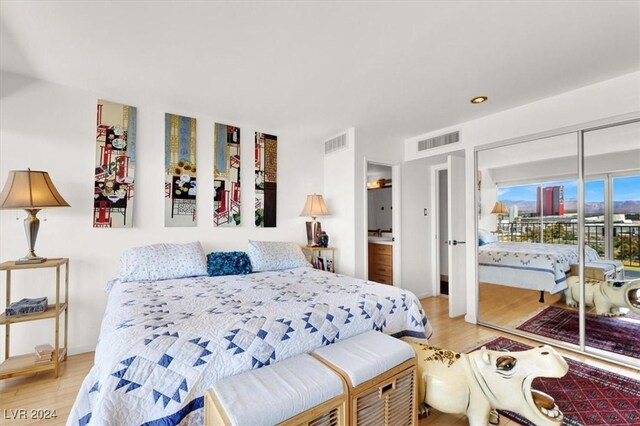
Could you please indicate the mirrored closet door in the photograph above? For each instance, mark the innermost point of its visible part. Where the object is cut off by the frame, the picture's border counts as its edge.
(527, 235)
(546, 206)
(612, 237)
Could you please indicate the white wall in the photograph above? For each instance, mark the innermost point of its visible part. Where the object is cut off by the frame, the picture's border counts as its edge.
(339, 195)
(50, 127)
(416, 232)
(610, 98)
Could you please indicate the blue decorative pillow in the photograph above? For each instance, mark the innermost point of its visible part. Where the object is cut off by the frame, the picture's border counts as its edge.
(228, 263)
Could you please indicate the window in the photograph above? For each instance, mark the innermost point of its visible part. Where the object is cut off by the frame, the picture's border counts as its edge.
(540, 212)
(548, 212)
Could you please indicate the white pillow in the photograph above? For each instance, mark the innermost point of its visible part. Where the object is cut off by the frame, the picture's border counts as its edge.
(486, 237)
(275, 255)
(163, 262)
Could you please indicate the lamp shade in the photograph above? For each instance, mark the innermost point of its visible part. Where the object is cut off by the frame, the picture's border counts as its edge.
(500, 208)
(314, 206)
(30, 189)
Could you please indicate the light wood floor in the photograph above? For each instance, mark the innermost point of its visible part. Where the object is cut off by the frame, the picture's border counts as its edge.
(509, 306)
(42, 391)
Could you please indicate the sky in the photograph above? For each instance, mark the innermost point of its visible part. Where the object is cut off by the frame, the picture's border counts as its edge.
(624, 189)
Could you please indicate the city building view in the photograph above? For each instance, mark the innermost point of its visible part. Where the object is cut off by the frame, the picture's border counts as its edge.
(548, 213)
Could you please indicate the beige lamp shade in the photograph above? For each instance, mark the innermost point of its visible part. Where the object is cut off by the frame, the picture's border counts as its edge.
(30, 189)
(314, 206)
(500, 208)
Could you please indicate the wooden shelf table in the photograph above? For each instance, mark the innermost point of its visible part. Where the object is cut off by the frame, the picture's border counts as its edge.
(13, 366)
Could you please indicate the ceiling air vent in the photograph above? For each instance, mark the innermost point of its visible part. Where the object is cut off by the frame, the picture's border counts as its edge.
(336, 144)
(437, 141)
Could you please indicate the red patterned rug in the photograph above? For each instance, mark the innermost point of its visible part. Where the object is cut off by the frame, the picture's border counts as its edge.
(612, 334)
(587, 396)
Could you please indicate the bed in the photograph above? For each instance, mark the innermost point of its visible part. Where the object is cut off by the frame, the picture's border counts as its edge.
(533, 266)
(162, 344)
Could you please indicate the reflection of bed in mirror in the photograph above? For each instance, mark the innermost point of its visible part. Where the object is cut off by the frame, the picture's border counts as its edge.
(533, 266)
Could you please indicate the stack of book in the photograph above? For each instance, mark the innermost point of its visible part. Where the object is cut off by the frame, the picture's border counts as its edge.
(44, 354)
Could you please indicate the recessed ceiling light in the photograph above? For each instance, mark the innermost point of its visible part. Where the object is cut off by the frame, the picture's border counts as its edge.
(479, 99)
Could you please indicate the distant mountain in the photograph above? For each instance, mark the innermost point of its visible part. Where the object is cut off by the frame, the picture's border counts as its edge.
(571, 206)
(523, 205)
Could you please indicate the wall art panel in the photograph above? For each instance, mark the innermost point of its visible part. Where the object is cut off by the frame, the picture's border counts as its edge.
(266, 179)
(180, 170)
(115, 162)
(226, 175)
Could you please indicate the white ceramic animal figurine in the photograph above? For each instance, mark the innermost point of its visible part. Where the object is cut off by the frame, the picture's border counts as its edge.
(483, 381)
(607, 296)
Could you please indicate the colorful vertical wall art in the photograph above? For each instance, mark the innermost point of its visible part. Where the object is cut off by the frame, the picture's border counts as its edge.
(115, 165)
(226, 175)
(266, 179)
(180, 170)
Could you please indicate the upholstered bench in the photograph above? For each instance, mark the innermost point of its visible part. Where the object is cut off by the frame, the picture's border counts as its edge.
(601, 270)
(297, 391)
(381, 374)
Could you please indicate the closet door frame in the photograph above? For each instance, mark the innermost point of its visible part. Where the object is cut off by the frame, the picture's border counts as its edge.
(579, 130)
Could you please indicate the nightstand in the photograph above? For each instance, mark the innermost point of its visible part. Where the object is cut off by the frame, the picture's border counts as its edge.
(322, 258)
(25, 364)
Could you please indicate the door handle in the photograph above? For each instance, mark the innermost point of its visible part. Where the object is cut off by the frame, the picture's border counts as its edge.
(455, 242)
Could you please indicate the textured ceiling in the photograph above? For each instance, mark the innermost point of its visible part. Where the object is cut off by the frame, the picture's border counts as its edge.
(390, 69)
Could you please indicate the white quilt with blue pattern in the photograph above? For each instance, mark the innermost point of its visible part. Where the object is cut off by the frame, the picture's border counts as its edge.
(164, 343)
(548, 264)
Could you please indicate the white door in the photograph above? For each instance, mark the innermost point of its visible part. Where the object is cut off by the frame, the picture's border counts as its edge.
(456, 237)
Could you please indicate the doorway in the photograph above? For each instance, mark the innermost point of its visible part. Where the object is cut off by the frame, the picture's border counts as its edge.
(380, 235)
(448, 228)
(382, 223)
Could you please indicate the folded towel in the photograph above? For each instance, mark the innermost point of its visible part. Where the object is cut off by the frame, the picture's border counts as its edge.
(27, 306)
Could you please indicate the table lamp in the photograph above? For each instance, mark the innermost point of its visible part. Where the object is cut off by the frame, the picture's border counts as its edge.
(499, 208)
(30, 190)
(314, 207)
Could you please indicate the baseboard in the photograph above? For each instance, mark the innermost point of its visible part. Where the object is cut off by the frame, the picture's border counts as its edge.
(423, 295)
(81, 349)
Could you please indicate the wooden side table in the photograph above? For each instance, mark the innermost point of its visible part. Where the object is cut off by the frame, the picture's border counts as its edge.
(25, 364)
(318, 257)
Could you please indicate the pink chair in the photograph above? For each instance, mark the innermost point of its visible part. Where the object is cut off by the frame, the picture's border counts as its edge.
(103, 219)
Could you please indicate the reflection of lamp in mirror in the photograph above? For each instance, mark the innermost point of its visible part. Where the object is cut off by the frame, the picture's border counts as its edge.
(314, 207)
(500, 209)
(32, 191)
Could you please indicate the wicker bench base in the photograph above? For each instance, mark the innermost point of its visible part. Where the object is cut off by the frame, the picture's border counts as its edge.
(389, 399)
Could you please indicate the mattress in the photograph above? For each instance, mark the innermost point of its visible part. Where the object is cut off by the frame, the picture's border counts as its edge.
(162, 344)
(533, 266)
